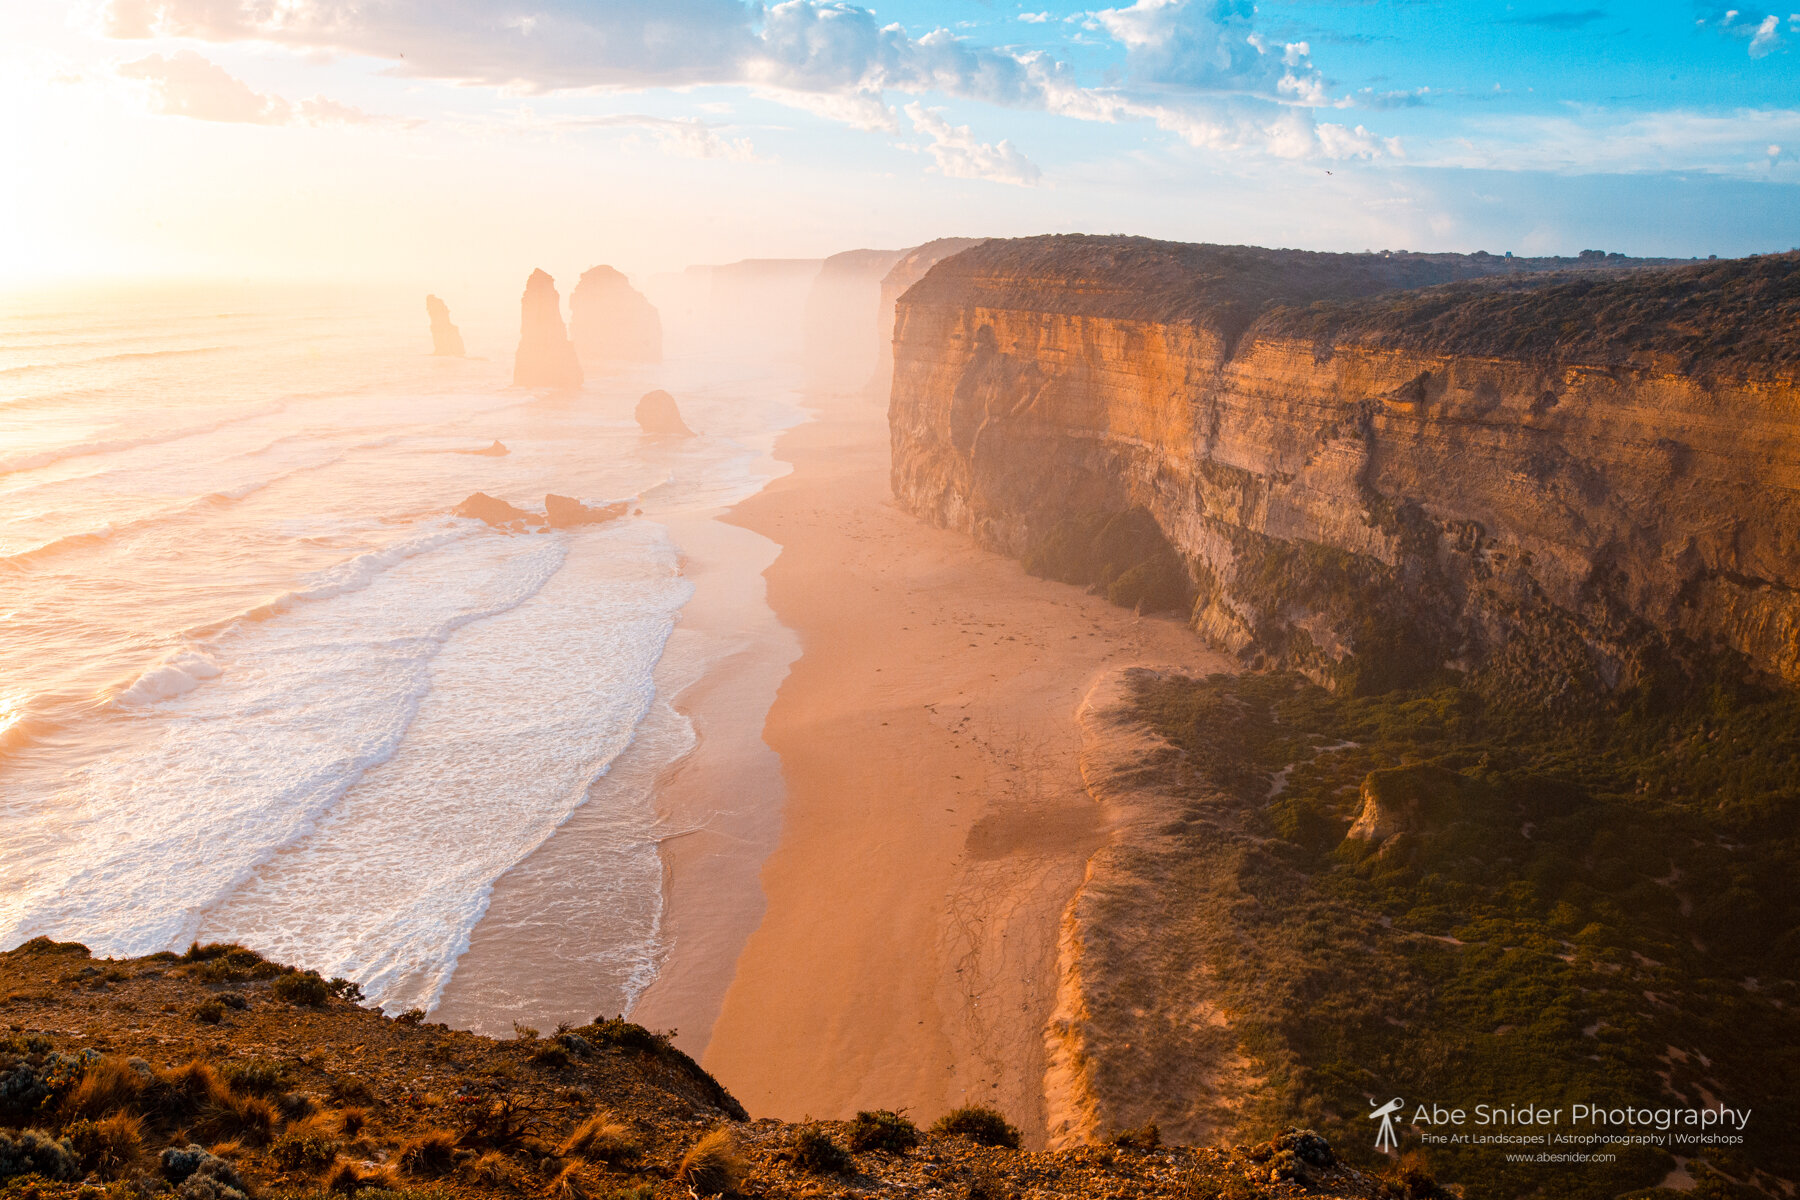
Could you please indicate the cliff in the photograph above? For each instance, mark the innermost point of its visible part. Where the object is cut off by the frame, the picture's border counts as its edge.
(911, 268)
(546, 357)
(842, 332)
(612, 322)
(446, 339)
(1577, 474)
(217, 1075)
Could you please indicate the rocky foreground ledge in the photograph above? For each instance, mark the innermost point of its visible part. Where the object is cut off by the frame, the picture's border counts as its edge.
(218, 1075)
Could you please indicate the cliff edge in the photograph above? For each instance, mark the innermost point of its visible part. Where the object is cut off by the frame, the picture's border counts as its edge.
(1582, 475)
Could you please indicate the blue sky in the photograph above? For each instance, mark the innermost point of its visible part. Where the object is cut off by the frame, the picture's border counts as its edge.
(326, 135)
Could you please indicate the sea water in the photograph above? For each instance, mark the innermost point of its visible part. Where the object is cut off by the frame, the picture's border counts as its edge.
(256, 683)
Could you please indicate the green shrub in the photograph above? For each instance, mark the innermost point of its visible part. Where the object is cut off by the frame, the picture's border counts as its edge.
(979, 1124)
(883, 1129)
(816, 1152)
(34, 1152)
(302, 988)
(256, 1077)
(305, 1147)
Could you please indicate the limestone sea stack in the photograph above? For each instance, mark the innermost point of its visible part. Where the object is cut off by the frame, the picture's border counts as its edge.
(493, 510)
(446, 339)
(657, 413)
(611, 322)
(546, 357)
(560, 512)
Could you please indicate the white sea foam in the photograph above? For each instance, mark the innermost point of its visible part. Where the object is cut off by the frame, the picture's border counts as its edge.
(333, 716)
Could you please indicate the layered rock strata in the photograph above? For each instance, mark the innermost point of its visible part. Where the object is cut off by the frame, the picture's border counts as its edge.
(1578, 477)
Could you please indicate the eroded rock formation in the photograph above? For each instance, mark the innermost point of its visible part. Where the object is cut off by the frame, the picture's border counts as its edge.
(1576, 477)
(611, 322)
(494, 511)
(446, 339)
(562, 512)
(658, 413)
(546, 357)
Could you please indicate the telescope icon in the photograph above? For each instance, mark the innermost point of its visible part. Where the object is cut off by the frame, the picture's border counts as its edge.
(1385, 1138)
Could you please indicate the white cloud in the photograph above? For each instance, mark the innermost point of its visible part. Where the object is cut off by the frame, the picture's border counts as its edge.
(956, 153)
(1594, 141)
(1767, 37)
(187, 84)
(1196, 68)
(1036, 18)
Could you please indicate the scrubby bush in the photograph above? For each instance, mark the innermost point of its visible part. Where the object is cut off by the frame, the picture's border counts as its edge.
(815, 1151)
(254, 1077)
(712, 1167)
(345, 989)
(1145, 1137)
(600, 1138)
(110, 1146)
(981, 1125)
(883, 1129)
(209, 1012)
(308, 1146)
(34, 1152)
(551, 1055)
(431, 1154)
(412, 1016)
(302, 988)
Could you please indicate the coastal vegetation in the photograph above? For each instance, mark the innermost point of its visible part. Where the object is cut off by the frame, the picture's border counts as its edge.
(113, 1089)
(1437, 893)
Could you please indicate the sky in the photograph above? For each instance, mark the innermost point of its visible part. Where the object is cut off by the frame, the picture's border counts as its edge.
(463, 140)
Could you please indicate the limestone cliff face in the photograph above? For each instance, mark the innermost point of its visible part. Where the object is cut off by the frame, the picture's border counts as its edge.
(1567, 476)
(446, 339)
(612, 322)
(546, 357)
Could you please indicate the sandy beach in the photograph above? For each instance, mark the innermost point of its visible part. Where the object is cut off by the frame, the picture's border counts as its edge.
(934, 827)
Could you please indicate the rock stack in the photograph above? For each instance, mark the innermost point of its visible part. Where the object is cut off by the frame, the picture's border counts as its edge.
(446, 339)
(612, 323)
(546, 357)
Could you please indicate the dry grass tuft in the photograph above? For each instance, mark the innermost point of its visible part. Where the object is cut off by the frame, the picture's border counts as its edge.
(431, 1154)
(352, 1121)
(348, 1178)
(713, 1167)
(600, 1138)
(111, 1146)
(106, 1087)
(495, 1170)
(569, 1184)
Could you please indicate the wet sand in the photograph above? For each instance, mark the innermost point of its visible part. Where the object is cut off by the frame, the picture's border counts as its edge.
(935, 825)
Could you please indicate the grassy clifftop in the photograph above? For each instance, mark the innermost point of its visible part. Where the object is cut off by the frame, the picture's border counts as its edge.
(1221, 288)
(217, 1075)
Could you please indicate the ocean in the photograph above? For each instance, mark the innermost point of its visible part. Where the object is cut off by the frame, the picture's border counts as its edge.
(256, 683)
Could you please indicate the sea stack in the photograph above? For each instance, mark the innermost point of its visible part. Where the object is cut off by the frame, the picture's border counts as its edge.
(546, 357)
(611, 322)
(446, 339)
(657, 413)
